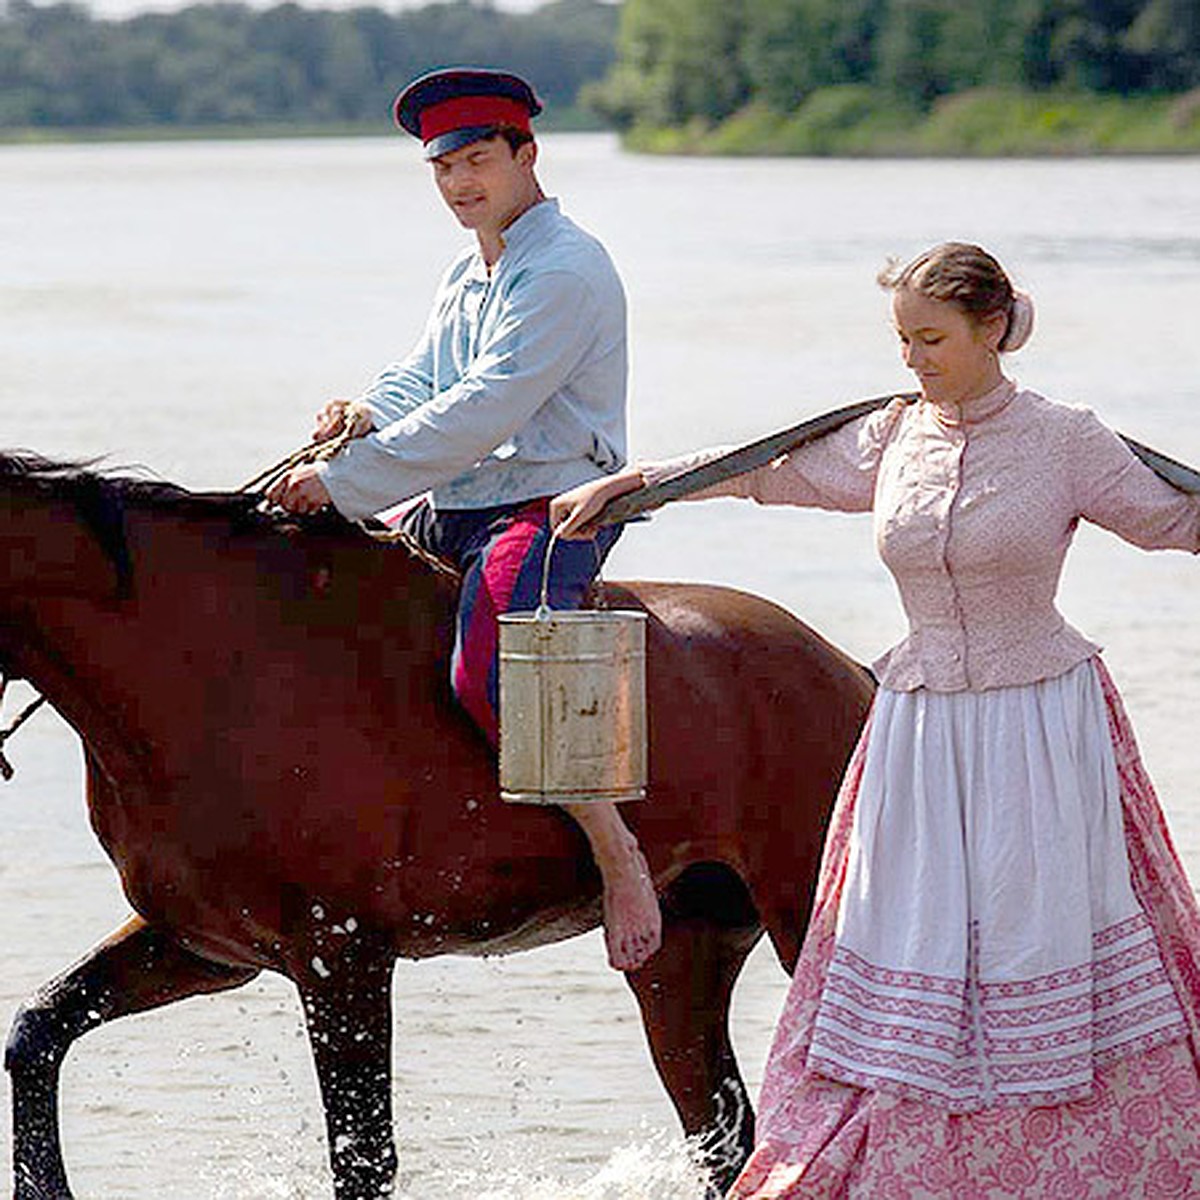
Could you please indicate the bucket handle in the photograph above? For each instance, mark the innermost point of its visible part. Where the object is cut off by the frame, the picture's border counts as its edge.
(543, 610)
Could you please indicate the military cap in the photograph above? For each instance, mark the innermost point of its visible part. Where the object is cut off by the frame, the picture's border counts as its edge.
(452, 108)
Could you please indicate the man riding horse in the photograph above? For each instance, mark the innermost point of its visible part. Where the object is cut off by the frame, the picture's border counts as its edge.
(514, 392)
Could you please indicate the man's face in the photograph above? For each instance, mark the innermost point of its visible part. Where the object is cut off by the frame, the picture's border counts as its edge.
(485, 184)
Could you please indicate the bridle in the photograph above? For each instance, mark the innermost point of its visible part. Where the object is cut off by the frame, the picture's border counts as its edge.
(6, 768)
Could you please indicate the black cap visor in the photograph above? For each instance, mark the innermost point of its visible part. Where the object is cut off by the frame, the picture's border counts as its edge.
(456, 139)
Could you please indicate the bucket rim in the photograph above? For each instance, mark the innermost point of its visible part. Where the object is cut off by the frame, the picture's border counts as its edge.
(560, 796)
(573, 615)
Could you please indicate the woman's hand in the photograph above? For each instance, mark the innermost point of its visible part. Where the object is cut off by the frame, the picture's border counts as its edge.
(572, 514)
(342, 415)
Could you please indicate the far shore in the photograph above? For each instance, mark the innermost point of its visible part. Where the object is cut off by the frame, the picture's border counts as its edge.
(855, 121)
(565, 121)
(847, 121)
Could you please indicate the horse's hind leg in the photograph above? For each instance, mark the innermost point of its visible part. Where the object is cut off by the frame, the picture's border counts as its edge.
(709, 928)
(138, 968)
(348, 1007)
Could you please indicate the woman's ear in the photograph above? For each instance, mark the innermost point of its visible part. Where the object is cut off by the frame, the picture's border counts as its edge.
(993, 329)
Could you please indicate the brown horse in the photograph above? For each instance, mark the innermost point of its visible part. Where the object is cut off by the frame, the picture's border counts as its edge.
(278, 771)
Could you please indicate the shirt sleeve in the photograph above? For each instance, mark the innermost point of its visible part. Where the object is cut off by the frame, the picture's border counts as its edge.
(1117, 491)
(540, 338)
(407, 383)
(836, 472)
(402, 386)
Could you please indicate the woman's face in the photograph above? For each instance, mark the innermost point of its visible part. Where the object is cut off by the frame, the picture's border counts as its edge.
(952, 355)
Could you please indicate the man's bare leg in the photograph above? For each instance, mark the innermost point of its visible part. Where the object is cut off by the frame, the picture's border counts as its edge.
(632, 920)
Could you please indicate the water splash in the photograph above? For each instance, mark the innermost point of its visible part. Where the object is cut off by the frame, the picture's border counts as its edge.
(657, 1166)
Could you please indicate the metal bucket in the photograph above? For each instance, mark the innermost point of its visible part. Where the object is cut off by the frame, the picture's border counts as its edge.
(572, 706)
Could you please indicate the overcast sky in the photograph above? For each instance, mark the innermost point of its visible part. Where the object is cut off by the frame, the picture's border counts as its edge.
(124, 8)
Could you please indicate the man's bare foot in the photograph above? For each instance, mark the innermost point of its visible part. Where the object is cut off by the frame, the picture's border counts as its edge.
(632, 918)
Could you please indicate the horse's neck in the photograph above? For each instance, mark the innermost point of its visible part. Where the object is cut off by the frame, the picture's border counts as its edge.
(208, 603)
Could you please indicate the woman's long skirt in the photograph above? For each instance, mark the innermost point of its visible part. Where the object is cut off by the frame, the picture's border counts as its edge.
(999, 992)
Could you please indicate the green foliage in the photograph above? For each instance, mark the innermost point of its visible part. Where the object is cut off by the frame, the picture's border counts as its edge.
(793, 47)
(852, 119)
(226, 64)
(677, 59)
(848, 119)
(997, 122)
(736, 76)
(689, 64)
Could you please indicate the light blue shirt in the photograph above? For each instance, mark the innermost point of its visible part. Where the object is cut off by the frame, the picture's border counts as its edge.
(516, 388)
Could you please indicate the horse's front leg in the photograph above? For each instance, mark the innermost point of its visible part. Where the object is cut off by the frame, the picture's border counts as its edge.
(138, 968)
(348, 1007)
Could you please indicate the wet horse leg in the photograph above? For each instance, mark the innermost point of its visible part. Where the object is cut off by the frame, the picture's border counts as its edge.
(137, 968)
(684, 992)
(347, 1006)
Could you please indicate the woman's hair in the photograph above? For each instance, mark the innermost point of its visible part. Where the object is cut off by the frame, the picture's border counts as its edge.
(972, 280)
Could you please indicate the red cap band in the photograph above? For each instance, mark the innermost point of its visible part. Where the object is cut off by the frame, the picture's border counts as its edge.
(468, 112)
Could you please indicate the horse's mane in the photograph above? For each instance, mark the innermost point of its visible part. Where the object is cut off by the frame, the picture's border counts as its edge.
(101, 498)
(77, 481)
(68, 479)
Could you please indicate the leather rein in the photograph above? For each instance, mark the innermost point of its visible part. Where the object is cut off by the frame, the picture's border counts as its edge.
(6, 768)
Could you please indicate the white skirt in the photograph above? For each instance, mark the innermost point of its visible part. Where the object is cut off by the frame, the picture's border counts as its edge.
(990, 949)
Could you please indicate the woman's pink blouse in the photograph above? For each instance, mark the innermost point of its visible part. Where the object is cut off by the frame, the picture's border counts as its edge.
(973, 518)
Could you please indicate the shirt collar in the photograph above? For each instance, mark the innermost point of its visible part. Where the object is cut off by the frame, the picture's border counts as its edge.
(525, 231)
(979, 409)
(530, 225)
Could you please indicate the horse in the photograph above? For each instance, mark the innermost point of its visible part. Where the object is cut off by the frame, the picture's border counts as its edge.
(276, 766)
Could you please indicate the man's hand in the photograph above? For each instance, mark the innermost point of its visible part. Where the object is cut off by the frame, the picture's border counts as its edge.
(339, 415)
(300, 490)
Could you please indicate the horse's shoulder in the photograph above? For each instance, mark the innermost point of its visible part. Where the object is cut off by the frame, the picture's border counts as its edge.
(712, 631)
(662, 596)
(714, 610)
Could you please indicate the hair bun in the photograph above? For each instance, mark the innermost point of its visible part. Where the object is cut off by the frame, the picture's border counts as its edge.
(1020, 322)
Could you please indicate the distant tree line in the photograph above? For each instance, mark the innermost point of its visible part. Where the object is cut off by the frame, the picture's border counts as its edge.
(682, 60)
(227, 63)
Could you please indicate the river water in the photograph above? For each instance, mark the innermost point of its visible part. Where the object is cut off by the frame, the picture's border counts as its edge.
(187, 306)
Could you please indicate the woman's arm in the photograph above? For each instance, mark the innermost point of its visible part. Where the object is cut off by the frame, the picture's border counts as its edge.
(572, 514)
(835, 472)
(1116, 490)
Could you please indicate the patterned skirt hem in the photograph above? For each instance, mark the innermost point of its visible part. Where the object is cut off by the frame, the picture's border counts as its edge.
(1025, 1098)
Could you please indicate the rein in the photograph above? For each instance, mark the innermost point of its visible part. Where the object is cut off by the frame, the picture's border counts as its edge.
(316, 451)
(7, 770)
(377, 531)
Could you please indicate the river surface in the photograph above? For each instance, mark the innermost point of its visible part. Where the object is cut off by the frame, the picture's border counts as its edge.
(186, 307)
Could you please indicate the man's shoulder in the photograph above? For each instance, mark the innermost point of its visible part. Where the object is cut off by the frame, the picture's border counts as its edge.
(563, 229)
(563, 247)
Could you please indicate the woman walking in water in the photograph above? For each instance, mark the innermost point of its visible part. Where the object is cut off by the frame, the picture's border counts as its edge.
(999, 992)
